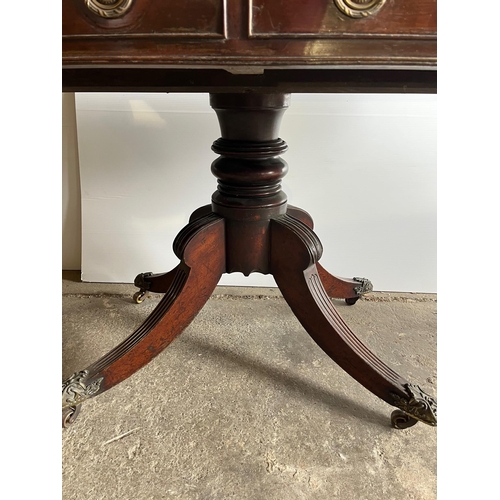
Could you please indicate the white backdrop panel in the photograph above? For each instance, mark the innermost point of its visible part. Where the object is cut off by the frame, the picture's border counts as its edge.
(364, 166)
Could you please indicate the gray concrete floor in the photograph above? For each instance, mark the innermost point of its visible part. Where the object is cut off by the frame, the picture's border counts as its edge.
(245, 405)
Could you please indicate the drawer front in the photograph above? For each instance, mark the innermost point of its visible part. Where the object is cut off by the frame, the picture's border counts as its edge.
(143, 19)
(249, 34)
(342, 18)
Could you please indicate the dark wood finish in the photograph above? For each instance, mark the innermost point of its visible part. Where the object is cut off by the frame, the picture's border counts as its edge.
(240, 44)
(249, 172)
(249, 54)
(250, 228)
(335, 287)
(200, 246)
(159, 283)
(298, 279)
(145, 20)
(322, 19)
(341, 80)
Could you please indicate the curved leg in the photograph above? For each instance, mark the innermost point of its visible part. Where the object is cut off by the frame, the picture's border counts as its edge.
(160, 283)
(201, 248)
(343, 288)
(149, 282)
(336, 288)
(298, 278)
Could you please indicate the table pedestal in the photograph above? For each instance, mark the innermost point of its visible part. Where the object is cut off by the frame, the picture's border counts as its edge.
(249, 227)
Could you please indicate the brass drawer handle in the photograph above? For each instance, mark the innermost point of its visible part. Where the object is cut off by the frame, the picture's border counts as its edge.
(109, 8)
(359, 8)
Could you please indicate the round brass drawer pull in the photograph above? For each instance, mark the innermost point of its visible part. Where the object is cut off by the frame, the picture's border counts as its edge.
(359, 8)
(109, 8)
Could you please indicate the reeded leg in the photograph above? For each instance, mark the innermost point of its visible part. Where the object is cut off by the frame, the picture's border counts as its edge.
(299, 280)
(337, 288)
(161, 282)
(200, 246)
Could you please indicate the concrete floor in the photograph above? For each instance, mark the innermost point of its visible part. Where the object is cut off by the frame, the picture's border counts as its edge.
(245, 405)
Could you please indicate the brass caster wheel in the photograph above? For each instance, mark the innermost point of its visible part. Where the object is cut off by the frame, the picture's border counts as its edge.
(140, 296)
(69, 415)
(401, 420)
(351, 301)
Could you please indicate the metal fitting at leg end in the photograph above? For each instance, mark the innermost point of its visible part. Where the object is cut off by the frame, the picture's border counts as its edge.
(419, 405)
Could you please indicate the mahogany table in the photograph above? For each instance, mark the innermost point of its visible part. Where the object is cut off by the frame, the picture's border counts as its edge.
(250, 55)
